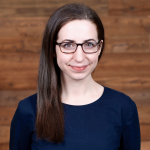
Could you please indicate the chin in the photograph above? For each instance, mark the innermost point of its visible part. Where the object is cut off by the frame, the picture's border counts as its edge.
(78, 76)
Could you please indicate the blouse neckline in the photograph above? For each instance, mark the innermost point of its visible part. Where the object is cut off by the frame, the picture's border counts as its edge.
(89, 104)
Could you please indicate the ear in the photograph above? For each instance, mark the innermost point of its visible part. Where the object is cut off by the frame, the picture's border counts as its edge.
(100, 47)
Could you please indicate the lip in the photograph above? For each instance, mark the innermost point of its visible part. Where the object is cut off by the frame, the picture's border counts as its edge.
(79, 68)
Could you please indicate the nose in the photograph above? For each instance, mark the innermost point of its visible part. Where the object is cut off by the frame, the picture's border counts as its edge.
(79, 55)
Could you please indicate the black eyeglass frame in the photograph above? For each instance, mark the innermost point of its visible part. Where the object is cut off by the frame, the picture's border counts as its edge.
(77, 44)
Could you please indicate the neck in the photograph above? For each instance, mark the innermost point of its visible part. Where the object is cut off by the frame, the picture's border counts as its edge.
(76, 91)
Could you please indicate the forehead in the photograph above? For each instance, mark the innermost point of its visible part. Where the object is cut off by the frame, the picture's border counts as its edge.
(78, 30)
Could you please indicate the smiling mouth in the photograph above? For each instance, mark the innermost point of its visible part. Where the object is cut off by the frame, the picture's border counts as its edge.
(77, 68)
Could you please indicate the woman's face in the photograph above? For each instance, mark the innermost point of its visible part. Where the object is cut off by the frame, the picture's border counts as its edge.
(77, 65)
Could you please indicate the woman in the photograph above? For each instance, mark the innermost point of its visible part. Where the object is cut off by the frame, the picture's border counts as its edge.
(70, 110)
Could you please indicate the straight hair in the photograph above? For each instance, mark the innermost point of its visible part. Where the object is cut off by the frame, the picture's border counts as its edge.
(50, 113)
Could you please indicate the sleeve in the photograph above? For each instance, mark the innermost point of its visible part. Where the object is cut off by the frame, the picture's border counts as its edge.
(19, 132)
(131, 139)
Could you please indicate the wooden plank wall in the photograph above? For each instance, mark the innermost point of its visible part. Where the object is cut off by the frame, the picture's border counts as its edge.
(125, 65)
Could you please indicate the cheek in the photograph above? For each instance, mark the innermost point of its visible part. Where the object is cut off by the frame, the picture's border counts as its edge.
(62, 59)
(94, 62)
(94, 58)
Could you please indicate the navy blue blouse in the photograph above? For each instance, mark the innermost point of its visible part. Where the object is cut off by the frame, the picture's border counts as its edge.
(109, 123)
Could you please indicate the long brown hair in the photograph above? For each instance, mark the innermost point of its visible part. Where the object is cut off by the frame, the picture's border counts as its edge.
(50, 115)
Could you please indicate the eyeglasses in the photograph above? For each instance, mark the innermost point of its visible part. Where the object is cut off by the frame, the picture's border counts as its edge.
(71, 47)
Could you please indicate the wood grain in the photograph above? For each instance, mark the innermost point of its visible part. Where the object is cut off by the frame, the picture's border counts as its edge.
(6, 115)
(144, 114)
(4, 134)
(20, 68)
(140, 96)
(145, 145)
(114, 70)
(129, 7)
(21, 34)
(11, 98)
(44, 8)
(4, 146)
(125, 65)
(145, 132)
(126, 35)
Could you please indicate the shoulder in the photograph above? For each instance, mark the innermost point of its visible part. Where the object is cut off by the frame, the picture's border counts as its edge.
(27, 107)
(120, 102)
(25, 114)
(28, 102)
(117, 97)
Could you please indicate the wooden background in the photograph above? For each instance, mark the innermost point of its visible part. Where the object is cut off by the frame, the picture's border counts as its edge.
(125, 65)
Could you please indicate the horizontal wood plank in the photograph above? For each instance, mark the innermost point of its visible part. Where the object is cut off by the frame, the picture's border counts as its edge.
(129, 7)
(129, 71)
(144, 114)
(4, 146)
(4, 134)
(145, 145)
(11, 98)
(140, 96)
(123, 35)
(21, 68)
(114, 70)
(125, 65)
(32, 8)
(127, 34)
(6, 115)
(145, 132)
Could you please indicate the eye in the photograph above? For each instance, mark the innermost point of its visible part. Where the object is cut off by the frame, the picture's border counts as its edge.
(68, 45)
(89, 45)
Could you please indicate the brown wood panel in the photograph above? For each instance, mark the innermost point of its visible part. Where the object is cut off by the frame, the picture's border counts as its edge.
(17, 8)
(22, 27)
(125, 65)
(140, 96)
(11, 98)
(4, 146)
(20, 68)
(129, 7)
(123, 35)
(126, 25)
(6, 115)
(4, 134)
(21, 34)
(127, 44)
(28, 44)
(124, 71)
(145, 145)
(125, 83)
(127, 34)
(144, 114)
(114, 70)
(145, 132)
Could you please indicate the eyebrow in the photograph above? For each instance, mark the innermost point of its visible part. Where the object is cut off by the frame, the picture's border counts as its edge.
(89, 40)
(68, 40)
